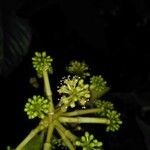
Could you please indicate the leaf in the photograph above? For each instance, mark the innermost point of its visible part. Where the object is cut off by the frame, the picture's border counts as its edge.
(15, 37)
(36, 143)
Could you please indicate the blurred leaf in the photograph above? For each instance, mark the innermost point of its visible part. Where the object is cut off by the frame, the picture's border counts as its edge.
(15, 37)
(36, 143)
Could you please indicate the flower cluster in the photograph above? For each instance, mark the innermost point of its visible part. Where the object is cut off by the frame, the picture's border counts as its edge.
(36, 107)
(107, 110)
(78, 68)
(104, 106)
(57, 143)
(115, 121)
(88, 142)
(97, 86)
(42, 62)
(73, 90)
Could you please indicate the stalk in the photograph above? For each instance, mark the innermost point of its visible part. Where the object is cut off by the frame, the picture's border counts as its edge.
(67, 133)
(59, 112)
(65, 139)
(47, 145)
(84, 120)
(48, 89)
(82, 112)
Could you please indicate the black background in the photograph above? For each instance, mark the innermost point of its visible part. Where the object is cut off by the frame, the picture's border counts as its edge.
(113, 39)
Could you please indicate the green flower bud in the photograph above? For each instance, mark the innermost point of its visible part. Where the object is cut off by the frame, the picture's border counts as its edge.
(78, 143)
(104, 106)
(78, 68)
(42, 62)
(57, 143)
(87, 142)
(36, 107)
(107, 111)
(98, 86)
(115, 121)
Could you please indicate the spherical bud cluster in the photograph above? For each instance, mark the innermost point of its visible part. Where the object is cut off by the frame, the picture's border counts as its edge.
(42, 62)
(115, 121)
(104, 107)
(107, 111)
(78, 68)
(87, 142)
(36, 107)
(97, 86)
(57, 143)
(73, 90)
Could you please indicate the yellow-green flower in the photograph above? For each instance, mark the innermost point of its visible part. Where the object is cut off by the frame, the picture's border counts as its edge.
(104, 106)
(87, 142)
(42, 62)
(78, 68)
(73, 90)
(98, 86)
(36, 107)
(115, 121)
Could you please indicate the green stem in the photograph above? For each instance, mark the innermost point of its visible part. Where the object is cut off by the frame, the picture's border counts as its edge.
(58, 112)
(67, 133)
(84, 120)
(65, 139)
(29, 137)
(82, 112)
(48, 89)
(47, 145)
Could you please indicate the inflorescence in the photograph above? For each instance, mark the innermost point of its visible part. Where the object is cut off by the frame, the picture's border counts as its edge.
(36, 107)
(42, 62)
(87, 142)
(74, 93)
(73, 90)
(107, 111)
(97, 86)
(78, 68)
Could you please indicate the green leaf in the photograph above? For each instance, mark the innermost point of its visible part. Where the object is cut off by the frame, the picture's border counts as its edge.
(15, 37)
(36, 143)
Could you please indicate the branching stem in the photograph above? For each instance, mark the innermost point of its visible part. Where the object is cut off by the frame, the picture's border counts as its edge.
(84, 120)
(65, 139)
(47, 145)
(67, 133)
(82, 112)
(48, 89)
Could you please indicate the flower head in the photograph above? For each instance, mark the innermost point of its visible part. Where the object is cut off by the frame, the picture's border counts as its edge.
(42, 62)
(36, 107)
(107, 111)
(78, 68)
(115, 121)
(98, 86)
(104, 106)
(73, 90)
(87, 142)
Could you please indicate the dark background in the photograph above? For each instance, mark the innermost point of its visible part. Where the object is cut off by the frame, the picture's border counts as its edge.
(113, 39)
